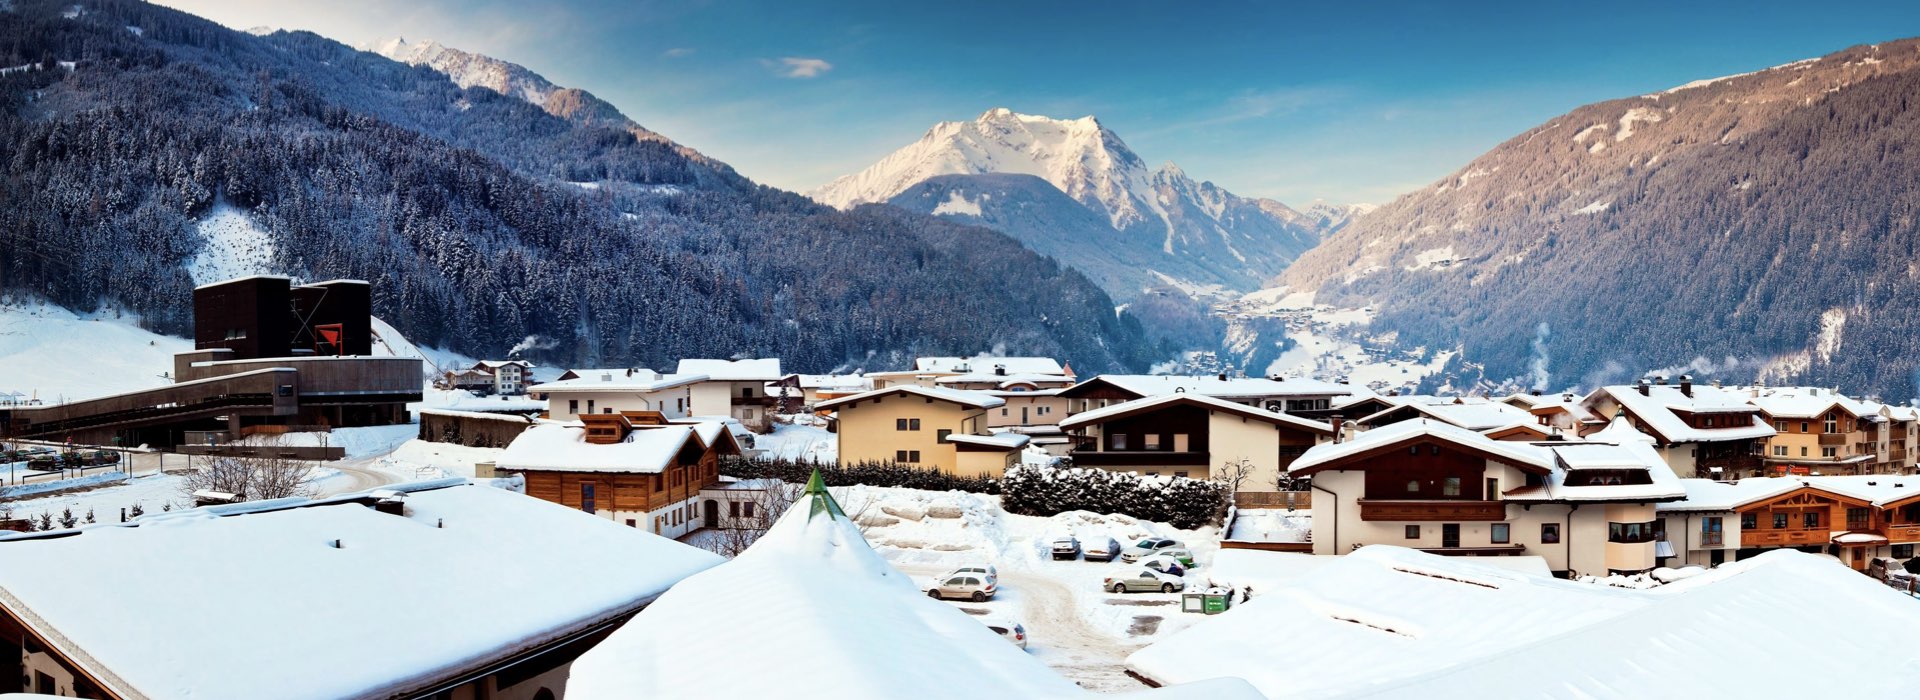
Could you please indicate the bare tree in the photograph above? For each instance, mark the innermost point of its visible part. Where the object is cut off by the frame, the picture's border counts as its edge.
(255, 478)
(759, 509)
(1234, 474)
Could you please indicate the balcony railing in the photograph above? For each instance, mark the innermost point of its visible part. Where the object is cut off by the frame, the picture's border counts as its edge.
(1712, 539)
(1903, 533)
(1432, 511)
(1755, 538)
(1833, 439)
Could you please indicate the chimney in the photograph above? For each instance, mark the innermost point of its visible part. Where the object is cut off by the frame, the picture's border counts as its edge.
(1645, 390)
(1339, 425)
(1661, 380)
(1000, 370)
(1536, 392)
(1686, 385)
(1223, 376)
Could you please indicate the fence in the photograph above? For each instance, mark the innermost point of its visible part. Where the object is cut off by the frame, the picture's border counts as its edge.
(1292, 500)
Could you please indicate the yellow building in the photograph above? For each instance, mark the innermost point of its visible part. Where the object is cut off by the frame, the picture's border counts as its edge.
(925, 426)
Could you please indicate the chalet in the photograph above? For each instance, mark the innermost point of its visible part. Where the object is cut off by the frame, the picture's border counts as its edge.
(1820, 431)
(1586, 507)
(1559, 413)
(1192, 435)
(736, 388)
(815, 388)
(507, 377)
(1855, 518)
(580, 392)
(1700, 431)
(1301, 397)
(240, 601)
(632, 468)
(1031, 398)
(910, 424)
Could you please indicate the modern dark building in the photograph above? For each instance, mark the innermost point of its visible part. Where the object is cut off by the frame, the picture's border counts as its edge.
(266, 353)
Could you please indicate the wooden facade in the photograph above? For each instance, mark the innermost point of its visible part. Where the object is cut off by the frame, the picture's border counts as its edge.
(646, 499)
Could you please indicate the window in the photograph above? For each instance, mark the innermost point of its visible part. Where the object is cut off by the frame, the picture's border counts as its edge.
(659, 482)
(1150, 441)
(1451, 487)
(1749, 521)
(747, 509)
(747, 414)
(586, 498)
(1804, 427)
(1549, 533)
(1779, 426)
(1833, 424)
(1829, 451)
(746, 392)
(899, 455)
(633, 523)
(1710, 532)
(1779, 521)
(1413, 532)
(1779, 450)
(1903, 551)
(1182, 475)
(907, 456)
(1502, 533)
(589, 405)
(1630, 533)
(733, 509)
(1803, 450)
(913, 424)
(1414, 450)
(1810, 519)
(941, 434)
(899, 424)
(1119, 441)
(1413, 486)
(1709, 423)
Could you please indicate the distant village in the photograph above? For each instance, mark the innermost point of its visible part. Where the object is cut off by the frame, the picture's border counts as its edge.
(548, 533)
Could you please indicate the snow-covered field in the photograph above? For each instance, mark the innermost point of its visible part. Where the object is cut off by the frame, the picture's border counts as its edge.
(1073, 624)
(799, 441)
(359, 443)
(231, 245)
(56, 355)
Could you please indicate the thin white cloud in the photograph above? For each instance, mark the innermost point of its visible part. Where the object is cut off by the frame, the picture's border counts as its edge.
(677, 52)
(793, 67)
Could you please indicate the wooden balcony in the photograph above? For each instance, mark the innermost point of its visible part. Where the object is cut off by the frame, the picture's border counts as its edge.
(1784, 538)
(1138, 458)
(1432, 511)
(1903, 533)
(1833, 439)
(1711, 539)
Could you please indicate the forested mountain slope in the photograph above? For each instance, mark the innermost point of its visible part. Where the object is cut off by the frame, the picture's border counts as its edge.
(480, 218)
(1755, 225)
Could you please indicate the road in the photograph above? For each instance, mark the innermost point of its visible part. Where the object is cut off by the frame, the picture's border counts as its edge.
(356, 475)
(1057, 636)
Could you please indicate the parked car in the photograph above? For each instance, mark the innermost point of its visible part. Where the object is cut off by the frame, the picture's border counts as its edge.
(986, 571)
(1102, 549)
(1145, 547)
(975, 587)
(1181, 554)
(1144, 579)
(1009, 630)
(1164, 564)
(1066, 547)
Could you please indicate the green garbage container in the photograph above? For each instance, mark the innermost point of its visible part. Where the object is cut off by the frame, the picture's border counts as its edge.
(1210, 602)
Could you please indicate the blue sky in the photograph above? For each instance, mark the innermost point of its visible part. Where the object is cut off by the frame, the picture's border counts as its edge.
(1350, 101)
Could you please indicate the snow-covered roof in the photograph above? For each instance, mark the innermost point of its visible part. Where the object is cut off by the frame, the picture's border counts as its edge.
(811, 611)
(834, 381)
(1656, 409)
(1005, 379)
(998, 441)
(503, 363)
(1618, 447)
(1229, 388)
(1100, 415)
(1710, 495)
(249, 605)
(760, 370)
(1472, 416)
(635, 380)
(1402, 623)
(974, 399)
(1421, 428)
(245, 278)
(564, 447)
(986, 363)
(1753, 609)
(1878, 489)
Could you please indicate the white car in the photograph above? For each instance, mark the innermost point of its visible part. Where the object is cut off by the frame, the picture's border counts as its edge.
(987, 571)
(1145, 547)
(1008, 630)
(1102, 548)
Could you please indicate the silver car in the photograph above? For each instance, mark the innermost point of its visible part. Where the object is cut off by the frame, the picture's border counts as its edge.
(987, 572)
(1102, 549)
(1146, 581)
(1147, 546)
(1010, 631)
(972, 587)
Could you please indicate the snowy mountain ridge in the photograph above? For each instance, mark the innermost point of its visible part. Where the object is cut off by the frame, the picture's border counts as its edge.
(1165, 221)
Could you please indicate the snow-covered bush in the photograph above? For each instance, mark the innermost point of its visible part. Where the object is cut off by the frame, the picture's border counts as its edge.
(887, 473)
(1183, 503)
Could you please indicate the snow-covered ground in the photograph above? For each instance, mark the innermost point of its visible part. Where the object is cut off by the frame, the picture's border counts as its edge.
(802, 440)
(40, 341)
(231, 245)
(1073, 624)
(1271, 525)
(359, 443)
(419, 459)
